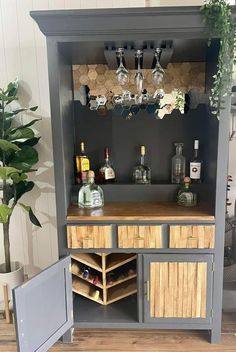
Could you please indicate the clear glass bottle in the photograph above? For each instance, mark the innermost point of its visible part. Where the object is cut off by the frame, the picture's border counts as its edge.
(106, 172)
(142, 173)
(82, 165)
(186, 197)
(90, 194)
(196, 165)
(178, 165)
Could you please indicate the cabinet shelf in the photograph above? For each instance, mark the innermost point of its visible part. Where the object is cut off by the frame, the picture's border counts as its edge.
(91, 260)
(118, 282)
(85, 289)
(118, 259)
(123, 290)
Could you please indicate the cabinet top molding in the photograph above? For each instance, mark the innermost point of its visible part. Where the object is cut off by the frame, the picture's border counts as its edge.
(123, 23)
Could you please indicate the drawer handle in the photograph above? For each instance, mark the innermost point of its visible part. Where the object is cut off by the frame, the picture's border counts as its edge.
(192, 238)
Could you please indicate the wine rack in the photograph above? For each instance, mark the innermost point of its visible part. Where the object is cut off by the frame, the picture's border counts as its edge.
(115, 276)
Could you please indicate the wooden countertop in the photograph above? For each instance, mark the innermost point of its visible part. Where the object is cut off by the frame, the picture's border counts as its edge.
(141, 211)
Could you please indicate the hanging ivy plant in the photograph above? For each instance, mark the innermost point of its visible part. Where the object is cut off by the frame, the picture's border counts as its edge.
(219, 21)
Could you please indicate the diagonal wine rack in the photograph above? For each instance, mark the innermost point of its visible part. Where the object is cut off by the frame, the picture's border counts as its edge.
(102, 264)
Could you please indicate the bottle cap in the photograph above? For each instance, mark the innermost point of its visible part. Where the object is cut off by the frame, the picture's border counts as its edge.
(187, 179)
(91, 174)
(82, 146)
(142, 150)
(196, 144)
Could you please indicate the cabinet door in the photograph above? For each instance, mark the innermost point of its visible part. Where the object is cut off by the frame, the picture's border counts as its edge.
(43, 308)
(178, 288)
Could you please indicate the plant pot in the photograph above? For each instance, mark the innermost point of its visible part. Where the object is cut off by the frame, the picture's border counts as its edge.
(12, 279)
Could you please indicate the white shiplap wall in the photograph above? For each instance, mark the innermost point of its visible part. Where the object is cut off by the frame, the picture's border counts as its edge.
(23, 55)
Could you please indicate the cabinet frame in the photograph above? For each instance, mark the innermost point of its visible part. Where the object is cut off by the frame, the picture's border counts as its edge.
(205, 258)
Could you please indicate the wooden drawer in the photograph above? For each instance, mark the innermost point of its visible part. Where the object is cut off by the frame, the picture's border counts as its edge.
(89, 236)
(140, 236)
(192, 236)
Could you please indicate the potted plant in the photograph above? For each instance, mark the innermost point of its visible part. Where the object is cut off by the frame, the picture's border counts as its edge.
(17, 156)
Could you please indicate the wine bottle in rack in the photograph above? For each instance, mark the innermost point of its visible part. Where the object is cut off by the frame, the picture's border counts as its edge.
(196, 165)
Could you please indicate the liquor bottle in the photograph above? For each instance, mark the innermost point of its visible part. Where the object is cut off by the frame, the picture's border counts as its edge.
(142, 173)
(86, 272)
(82, 165)
(178, 165)
(106, 172)
(195, 165)
(90, 194)
(186, 197)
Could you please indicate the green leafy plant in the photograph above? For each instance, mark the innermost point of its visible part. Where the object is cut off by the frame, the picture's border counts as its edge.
(219, 21)
(17, 155)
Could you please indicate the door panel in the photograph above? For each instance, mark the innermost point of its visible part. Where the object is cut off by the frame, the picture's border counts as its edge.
(178, 287)
(43, 308)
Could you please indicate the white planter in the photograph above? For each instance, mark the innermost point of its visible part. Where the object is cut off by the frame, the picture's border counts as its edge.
(12, 279)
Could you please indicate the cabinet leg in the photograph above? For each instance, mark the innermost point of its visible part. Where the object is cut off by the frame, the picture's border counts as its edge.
(215, 336)
(68, 336)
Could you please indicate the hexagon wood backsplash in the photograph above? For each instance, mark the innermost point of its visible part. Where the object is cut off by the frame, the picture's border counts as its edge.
(101, 80)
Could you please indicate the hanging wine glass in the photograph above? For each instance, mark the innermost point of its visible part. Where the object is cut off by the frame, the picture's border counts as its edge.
(139, 76)
(158, 72)
(121, 72)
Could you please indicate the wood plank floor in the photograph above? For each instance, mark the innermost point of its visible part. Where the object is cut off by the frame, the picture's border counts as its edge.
(138, 341)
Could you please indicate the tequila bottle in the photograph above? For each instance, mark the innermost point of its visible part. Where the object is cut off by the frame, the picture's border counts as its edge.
(178, 165)
(90, 195)
(186, 197)
(106, 172)
(142, 173)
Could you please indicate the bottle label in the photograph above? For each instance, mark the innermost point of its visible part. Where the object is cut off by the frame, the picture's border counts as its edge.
(96, 199)
(195, 171)
(109, 174)
(84, 164)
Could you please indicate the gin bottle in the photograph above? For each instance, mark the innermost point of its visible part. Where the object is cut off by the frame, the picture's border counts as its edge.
(186, 197)
(178, 165)
(142, 173)
(90, 195)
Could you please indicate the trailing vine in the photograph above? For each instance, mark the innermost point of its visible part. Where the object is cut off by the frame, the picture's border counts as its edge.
(219, 21)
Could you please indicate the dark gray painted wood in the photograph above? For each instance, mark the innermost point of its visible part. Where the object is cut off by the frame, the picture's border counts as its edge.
(60, 83)
(141, 23)
(43, 308)
(179, 258)
(221, 185)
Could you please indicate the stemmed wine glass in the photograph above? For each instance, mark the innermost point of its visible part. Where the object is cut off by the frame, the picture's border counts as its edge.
(158, 72)
(121, 72)
(139, 76)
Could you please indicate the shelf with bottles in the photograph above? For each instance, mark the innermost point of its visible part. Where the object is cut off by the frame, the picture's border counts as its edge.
(108, 283)
(121, 274)
(87, 290)
(93, 277)
(92, 260)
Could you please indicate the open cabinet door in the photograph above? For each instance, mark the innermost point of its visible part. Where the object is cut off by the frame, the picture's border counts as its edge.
(43, 308)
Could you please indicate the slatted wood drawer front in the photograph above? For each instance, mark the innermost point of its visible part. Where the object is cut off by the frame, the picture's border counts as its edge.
(89, 237)
(178, 289)
(140, 236)
(192, 236)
